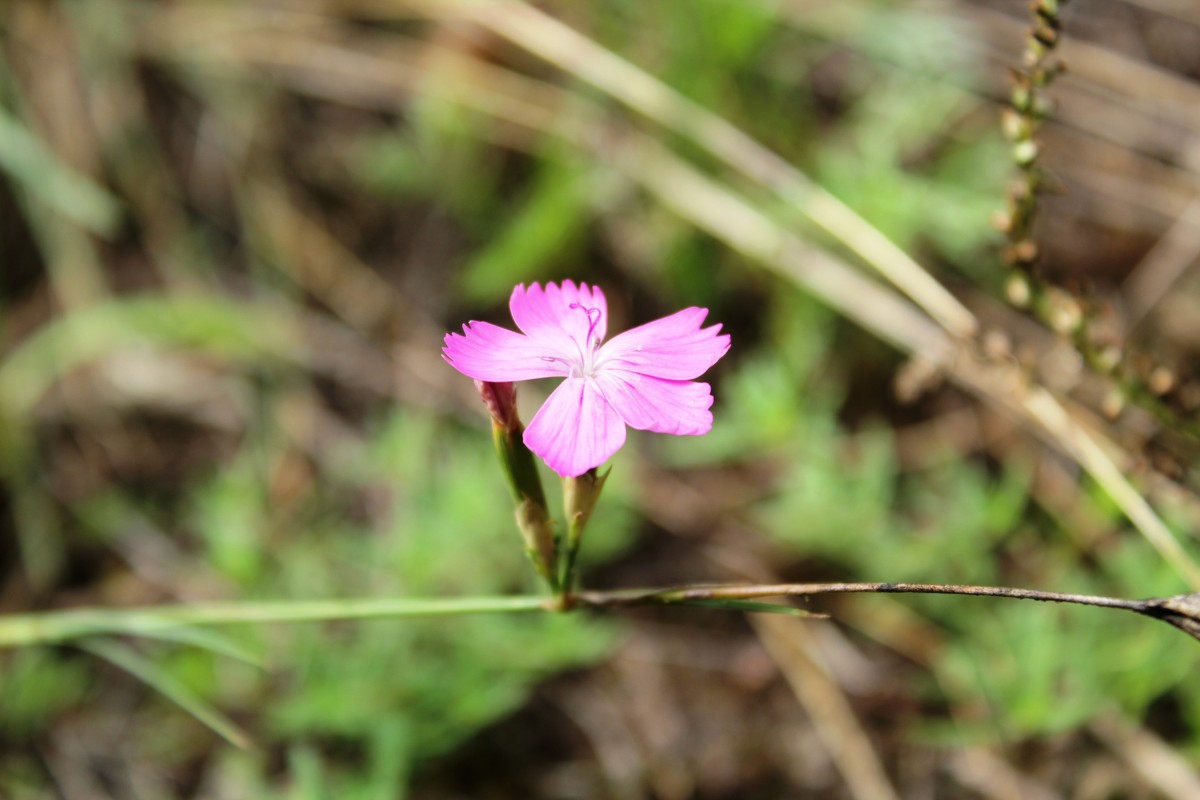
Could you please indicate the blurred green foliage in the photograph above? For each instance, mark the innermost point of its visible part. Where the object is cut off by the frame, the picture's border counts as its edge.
(397, 692)
(843, 500)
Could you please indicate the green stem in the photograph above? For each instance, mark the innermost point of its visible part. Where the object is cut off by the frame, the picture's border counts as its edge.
(58, 626)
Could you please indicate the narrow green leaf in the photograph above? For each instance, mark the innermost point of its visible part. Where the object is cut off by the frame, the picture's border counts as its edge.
(23, 630)
(210, 640)
(36, 170)
(146, 671)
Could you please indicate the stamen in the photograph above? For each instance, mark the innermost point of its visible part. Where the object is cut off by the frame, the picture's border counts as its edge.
(590, 343)
(593, 315)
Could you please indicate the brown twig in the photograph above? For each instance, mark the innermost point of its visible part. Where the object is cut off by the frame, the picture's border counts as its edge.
(1182, 611)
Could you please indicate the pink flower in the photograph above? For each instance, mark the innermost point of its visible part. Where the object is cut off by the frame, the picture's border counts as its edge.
(642, 377)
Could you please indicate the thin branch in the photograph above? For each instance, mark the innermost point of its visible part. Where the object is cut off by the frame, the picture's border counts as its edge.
(51, 627)
(685, 594)
(1182, 611)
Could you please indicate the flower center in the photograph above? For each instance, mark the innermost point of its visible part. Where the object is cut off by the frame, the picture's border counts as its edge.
(587, 349)
(585, 365)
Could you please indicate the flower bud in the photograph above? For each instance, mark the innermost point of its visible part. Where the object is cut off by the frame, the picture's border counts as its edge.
(1018, 291)
(537, 529)
(580, 495)
(1025, 152)
(501, 402)
(1161, 381)
(579, 499)
(520, 472)
(1063, 312)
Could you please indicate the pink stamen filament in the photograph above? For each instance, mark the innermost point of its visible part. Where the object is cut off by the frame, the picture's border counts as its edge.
(585, 365)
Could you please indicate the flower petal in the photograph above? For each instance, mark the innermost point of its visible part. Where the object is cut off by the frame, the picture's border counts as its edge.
(488, 352)
(549, 312)
(674, 347)
(576, 429)
(659, 405)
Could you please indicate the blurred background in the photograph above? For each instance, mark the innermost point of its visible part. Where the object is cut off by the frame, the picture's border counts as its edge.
(233, 234)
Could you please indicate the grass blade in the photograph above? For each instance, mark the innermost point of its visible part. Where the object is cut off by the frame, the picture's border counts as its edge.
(147, 672)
